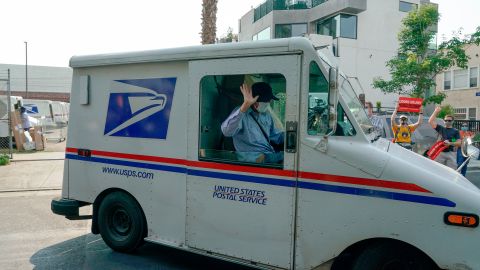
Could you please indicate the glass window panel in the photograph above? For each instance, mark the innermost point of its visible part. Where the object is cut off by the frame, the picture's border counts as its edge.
(219, 97)
(472, 114)
(348, 26)
(328, 27)
(283, 30)
(264, 34)
(317, 102)
(460, 78)
(299, 29)
(460, 113)
(447, 80)
(406, 7)
(473, 77)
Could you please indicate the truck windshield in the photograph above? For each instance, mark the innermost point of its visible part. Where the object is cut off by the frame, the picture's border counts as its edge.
(347, 92)
(354, 105)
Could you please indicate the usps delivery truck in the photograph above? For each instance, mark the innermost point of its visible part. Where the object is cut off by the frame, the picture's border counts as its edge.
(145, 149)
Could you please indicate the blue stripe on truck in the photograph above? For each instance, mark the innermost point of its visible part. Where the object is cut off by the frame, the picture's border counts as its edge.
(275, 181)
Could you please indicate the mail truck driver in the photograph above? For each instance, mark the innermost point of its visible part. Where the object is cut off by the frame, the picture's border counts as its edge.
(252, 127)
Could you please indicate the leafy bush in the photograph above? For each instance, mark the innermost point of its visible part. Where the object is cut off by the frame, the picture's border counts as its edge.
(446, 110)
(4, 160)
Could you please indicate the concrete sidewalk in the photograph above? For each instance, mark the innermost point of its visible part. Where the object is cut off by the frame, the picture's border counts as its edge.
(33, 171)
(39, 155)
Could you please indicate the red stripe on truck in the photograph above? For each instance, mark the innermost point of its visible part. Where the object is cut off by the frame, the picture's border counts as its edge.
(266, 171)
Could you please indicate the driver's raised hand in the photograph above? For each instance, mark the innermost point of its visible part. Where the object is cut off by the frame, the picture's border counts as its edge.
(248, 99)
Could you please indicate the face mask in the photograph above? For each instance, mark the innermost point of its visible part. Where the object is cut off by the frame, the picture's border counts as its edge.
(464, 128)
(262, 107)
(448, 124)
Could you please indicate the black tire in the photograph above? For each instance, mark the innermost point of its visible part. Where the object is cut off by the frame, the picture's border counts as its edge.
(121, 222)
(392, 256)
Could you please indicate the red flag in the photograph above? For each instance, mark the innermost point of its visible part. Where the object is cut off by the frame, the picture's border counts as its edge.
(436, 149)
(406, 104)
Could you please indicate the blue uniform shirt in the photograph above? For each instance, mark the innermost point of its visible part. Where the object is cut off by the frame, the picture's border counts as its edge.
(248, 138)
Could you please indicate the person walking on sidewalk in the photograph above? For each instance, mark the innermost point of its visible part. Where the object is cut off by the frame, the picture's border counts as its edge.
(450, 137)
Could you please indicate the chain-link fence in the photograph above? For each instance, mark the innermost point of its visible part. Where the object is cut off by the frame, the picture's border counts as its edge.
(6, 140)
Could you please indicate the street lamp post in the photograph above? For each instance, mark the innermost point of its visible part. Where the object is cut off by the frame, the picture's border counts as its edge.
(26, 69)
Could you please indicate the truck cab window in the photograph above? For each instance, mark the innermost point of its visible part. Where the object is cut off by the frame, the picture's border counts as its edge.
(344, 126)
(254, 137)
(317, 102)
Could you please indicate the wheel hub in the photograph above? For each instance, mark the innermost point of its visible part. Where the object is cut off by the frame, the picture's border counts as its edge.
(121, 222)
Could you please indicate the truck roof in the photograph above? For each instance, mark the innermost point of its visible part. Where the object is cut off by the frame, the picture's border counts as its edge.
(238, 49)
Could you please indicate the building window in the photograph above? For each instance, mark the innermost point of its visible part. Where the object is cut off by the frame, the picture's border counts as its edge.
(262, 35)
(460, 78)
(472, 113)
(328, 27)
(447, 80)
(342, 25)
(318, 2)
(290, 30)
(460, 113)
(348, 26)
(473, 77)
(406, 6)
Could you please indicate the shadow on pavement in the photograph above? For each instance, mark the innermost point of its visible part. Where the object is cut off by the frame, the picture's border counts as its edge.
(90, 252)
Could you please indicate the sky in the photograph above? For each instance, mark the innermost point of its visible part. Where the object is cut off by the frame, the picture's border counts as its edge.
(55, 30)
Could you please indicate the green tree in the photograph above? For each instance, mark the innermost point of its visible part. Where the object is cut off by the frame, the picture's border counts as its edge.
(209, 21)
(446, 110)
(230, 37)
(416, 65)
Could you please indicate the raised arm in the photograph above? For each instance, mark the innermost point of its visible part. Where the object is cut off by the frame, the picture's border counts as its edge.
(420, 119)
(233, 123)
(392, 119)
(433, 118)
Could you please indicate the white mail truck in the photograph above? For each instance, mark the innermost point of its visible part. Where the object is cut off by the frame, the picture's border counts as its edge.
(145, 148)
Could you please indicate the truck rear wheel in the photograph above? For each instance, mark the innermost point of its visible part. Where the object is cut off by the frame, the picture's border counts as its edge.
(121, 222)
(392, 256)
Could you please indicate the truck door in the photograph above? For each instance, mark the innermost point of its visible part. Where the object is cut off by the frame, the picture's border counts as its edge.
(241, 203)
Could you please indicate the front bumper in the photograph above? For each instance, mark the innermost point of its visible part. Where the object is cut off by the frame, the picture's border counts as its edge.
(66, 207)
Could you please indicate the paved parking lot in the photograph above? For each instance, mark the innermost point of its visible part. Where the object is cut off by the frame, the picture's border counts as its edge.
(31, 236)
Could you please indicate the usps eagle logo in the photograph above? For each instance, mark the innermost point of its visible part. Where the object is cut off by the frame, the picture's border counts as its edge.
(140, 108)
(31, 108)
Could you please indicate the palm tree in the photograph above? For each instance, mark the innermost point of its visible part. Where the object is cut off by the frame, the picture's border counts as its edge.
(209, 21)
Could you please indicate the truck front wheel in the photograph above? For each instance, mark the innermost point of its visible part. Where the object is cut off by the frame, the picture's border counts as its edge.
(392, 256)
(121, 222)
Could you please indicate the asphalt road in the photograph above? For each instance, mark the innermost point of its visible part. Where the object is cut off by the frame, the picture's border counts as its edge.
(32, 237)
(474, 176)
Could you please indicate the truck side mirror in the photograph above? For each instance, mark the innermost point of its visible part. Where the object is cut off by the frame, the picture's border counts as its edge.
(333, 98)
(464, 146)
(332, 106)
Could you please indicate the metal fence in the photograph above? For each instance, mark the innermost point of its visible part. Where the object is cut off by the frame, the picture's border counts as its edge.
(473, 125)
(6, 140)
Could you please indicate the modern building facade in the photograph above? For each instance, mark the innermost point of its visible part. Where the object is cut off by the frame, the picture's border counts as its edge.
(462, 86)
(52, 83)
(364, 32)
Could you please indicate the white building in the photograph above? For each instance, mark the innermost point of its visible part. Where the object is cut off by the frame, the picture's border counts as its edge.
(44, 82)
(364, 30)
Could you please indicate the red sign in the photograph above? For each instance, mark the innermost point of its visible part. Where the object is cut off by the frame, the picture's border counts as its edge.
(406, 104)
(436, 149)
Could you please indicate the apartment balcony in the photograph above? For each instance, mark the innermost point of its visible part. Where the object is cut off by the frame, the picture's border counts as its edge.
(316, 6)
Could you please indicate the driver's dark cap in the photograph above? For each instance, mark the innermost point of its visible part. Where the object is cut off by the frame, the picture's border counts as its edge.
(264, 91)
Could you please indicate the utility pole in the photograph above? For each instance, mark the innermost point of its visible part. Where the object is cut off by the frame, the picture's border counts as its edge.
(26, 69)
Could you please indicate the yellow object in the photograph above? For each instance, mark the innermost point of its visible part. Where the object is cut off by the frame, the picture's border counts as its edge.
(403, 134)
